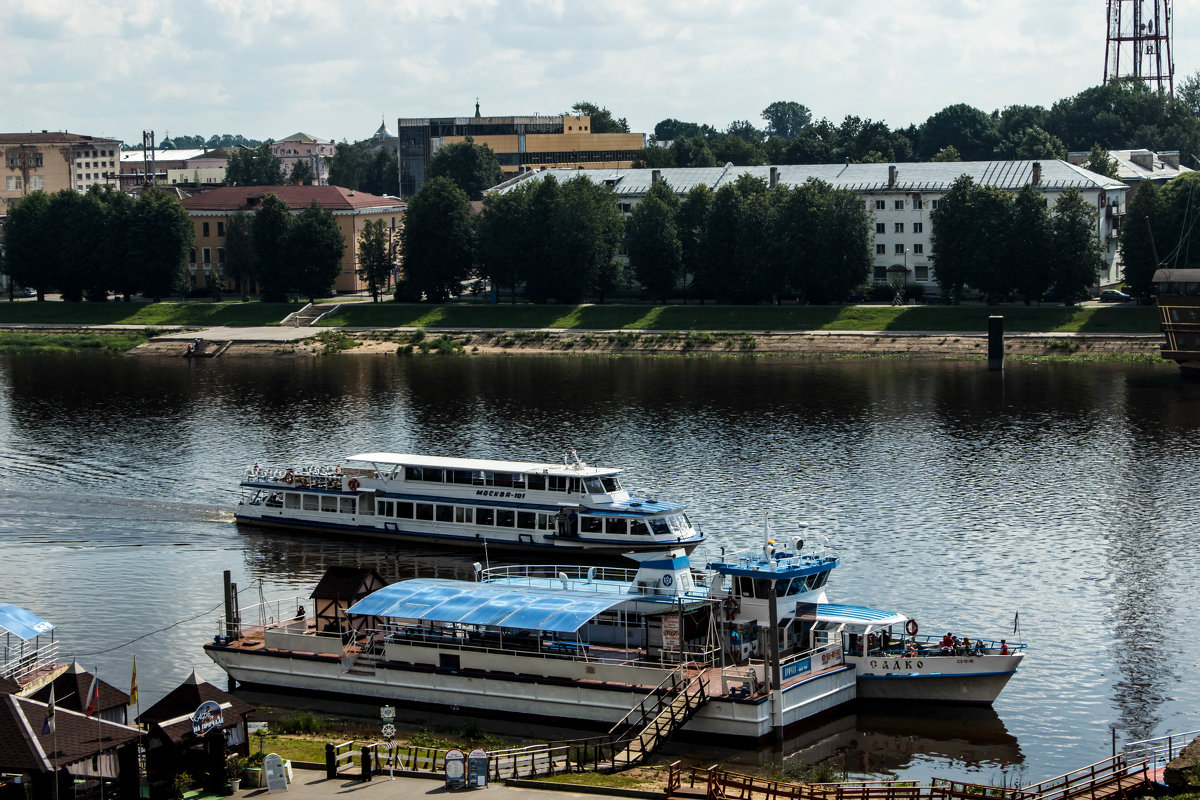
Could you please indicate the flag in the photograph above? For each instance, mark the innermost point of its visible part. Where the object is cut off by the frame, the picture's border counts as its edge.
(1016, 621)
(93, 701)
(133, 684)
(48, 725)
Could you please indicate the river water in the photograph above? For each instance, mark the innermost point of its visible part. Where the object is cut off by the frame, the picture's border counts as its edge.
(1064, 494)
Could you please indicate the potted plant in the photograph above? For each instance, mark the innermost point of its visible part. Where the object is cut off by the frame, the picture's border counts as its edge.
(235, 767)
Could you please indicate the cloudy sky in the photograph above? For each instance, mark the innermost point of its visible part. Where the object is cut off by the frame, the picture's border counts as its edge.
(268, 68)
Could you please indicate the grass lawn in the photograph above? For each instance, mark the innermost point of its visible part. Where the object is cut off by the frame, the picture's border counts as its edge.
(54, 312)
(1017, 318)
(34, 342)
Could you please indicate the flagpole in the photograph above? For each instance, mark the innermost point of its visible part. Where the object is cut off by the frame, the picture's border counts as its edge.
(95, 698)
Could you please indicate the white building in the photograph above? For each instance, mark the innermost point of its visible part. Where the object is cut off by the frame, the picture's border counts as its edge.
(900, 196)
(303, 147)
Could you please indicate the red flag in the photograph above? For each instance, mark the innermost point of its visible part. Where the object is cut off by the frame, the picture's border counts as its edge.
(93, 703)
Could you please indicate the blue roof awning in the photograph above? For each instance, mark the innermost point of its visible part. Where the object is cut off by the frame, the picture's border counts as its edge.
(448, 601)
(857, 615)
(22, 623)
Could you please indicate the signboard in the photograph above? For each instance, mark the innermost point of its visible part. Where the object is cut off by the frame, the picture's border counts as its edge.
(797, 667)
(387, 713)
(477, 769)
(276, 776)
(670, 633)
(455, 769)
(206, 717)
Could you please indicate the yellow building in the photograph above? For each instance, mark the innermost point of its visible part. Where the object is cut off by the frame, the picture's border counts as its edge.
(565, 141)
(211, 211)
(53, 160)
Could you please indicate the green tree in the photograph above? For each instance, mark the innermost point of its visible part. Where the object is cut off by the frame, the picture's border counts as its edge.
(953, 238)
(241, 258)
(948, 153)
(349, 165)
(302, 173)
(256, 166)
(1139, 253)
(786, 118)
(383, 173)
(110, 268)
(972, 132)
(602, 119)
(1033, 143)
(540, 270)
(472, 167)
(692, 152)
(1029, 248)
(736, 150)
(719, 243)
(1076, 250)
(28, 233)
(505, 242)
(314, 248)
(272, 221)
(375, 261)
(1189, 93)
(654, 156)
(438, 240)
(69, 256)
(654, 247)
(588, 228)
(1101, 163)
(159, 243)
(691, 220)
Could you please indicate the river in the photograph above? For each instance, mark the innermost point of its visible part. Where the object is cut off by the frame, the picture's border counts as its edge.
(1062, 493)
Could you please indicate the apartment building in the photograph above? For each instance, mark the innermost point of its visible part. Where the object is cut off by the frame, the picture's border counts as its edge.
(303, 147)
(52, 160)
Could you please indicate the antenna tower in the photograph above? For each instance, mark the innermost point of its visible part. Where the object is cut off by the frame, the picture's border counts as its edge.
(1139, 33)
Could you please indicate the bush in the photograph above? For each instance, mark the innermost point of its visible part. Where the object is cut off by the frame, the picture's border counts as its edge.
(301, 722)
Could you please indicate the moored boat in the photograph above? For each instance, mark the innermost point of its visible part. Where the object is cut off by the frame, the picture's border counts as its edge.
(467, 502)
(1177, 294)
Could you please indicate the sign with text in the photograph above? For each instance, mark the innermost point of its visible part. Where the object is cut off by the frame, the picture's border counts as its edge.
(207, 717)
(670, 633)
(276, 775)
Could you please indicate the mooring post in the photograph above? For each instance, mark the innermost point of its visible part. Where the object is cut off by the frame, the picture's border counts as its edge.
(996, 342)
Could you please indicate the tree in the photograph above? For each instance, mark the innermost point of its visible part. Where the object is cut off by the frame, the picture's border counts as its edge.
(786, 118)
(654, 156)
(68, 257)
(383, 173)
(375, 261)
(505, 242)
(1138, 248)
(691, 220)
(1189, 93)
(602, 119)
(588, 228)
(719, 243)
(1076, 251)
(654, 247)
(953, 238)
(736, 150)
(162, 233)
(1029, 248)
(349, 165)
(671, 129)
(1101, 163)
(971, 132)
(544, 202)
(111, 267)
(272, 221)
(744, 130)
(302, 173)
(314, 248)
(241, 260)
(1033, 143)
(256, 166)
(28, 231)
(692, 152)
(472, 167)
(438, 240)
(946, 154)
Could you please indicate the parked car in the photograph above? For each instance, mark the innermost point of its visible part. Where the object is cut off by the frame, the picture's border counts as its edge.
(1114, 296)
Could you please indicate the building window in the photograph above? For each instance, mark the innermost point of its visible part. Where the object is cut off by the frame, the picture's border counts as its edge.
(881, 274)
(880, 227)
(898, 205)
(918, 227)
(918, 249)
(933, 204)
(204, 231)
(880, 205)
(899, 227)
(922, 273)
(13, 183)
(192, 256)
(918, 204)
(220, 255)
(35, 159)
(207, 253)
(37, 182)
(12, 161)
(899, 249)
(881, 249)
(220, 229)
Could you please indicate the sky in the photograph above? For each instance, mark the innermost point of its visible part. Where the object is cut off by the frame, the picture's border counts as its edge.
(335, 70)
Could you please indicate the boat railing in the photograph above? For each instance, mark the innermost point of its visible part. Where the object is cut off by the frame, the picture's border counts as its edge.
(316, 476)
(1161, 749)
(21, 662)
(929, 646)
(539, 573)
(268, 615)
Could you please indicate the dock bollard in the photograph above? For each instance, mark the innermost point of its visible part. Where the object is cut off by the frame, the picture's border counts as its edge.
(366, 762)
(330, 762)
(995, 342)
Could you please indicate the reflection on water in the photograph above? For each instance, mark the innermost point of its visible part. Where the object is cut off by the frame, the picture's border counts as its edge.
(960, 496)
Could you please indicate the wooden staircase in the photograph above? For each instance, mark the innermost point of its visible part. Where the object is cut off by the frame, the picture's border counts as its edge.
(650, 723)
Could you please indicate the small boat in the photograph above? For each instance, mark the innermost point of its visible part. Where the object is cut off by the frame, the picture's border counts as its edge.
(467, 502)
(774, 588)
(28, 651)
(1177, 294)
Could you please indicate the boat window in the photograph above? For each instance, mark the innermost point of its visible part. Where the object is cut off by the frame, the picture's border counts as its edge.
(444, 513)
(639, 528)
(502, 479)
(291, 500)
(819, 579)
(433, 475)
(545, 522)
(347, 505)
(424, 510)
(537, 483)
(464, 514)
(556, 483)
(329, 504)
(484, 516)
(366, 504)
(404, 510)
(506, 517)
(412, 474)
(611, 484)
(593, 486)
(616, 525)
(459, 476)
(784, 587)
(589, 524)
(762, 589)
(660, 526)
(311, 502)
(576, 486)
(526, 519)
(518, 480)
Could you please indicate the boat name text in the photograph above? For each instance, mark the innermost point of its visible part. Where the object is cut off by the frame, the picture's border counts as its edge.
(895, 664)
(498, 493)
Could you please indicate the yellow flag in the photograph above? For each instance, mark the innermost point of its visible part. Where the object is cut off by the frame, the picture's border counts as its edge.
(133, 684)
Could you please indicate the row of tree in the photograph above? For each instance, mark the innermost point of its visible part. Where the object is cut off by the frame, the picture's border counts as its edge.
(86, 245)
(1004, 244)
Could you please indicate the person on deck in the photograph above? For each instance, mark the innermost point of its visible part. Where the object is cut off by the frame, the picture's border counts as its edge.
(947, 641)
(1003, 647)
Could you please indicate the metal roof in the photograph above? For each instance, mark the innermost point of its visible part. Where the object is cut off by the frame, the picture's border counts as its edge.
(22, 623)
(858, 615)
(412, 460)
(495, 605)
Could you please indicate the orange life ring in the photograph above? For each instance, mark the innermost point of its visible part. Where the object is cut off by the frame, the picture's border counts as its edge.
(288, 477)
(731, 608)
(911, 627)
(352, 484)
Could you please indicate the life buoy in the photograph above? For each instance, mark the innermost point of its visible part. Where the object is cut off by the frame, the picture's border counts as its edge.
(731, 608)
(352, 484)
(911, 627)
(288, 477)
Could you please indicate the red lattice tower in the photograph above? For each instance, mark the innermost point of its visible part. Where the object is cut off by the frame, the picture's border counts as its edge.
(1139, 42)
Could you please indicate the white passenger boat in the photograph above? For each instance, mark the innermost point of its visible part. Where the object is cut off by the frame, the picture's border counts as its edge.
(467, 502)
(772, 589)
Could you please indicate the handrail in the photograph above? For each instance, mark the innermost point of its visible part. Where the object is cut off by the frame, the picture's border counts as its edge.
(675, 678)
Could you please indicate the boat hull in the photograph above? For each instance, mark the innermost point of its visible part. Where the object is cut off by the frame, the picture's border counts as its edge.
(976, 680)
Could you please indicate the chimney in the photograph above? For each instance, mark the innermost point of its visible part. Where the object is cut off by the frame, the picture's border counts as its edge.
(1170, 158)
(891, 175)
(1078, 157)
(1036, 180)
(655, 175)
(774, 177)
(1143, 158)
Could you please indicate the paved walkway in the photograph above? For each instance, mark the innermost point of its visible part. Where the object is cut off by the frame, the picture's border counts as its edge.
(311, 785)
(263, 334)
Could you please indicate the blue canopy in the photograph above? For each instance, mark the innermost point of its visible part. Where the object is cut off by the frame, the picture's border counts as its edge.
(857, 615)
(21, 623)
(449, 601)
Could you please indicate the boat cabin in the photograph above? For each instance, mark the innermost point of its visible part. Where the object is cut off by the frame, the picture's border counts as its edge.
(1177, 294)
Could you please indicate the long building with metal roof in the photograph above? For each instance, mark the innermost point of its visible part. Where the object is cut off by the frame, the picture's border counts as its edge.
(901, 197)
